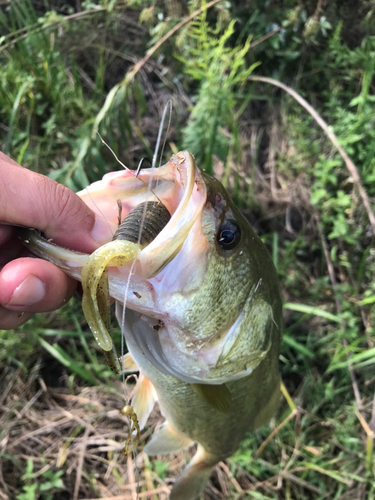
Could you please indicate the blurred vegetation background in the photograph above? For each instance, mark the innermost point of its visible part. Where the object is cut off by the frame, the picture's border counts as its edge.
(71, 68)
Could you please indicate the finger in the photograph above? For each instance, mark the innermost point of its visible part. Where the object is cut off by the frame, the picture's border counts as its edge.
(50, 207)
(34, 285)
(13, 319)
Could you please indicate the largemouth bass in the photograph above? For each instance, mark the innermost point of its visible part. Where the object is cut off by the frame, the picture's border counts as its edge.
(203, 313)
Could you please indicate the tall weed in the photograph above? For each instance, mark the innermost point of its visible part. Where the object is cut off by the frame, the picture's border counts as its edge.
(221, 71)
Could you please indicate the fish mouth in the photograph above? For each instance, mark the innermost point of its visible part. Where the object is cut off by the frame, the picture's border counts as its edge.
(178, 185)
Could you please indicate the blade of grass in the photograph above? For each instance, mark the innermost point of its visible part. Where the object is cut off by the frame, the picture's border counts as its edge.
(297, 346)
(16, 104)
(312, 310)
(56, 351)
(358, 360)
(333, 474)
(47, 332)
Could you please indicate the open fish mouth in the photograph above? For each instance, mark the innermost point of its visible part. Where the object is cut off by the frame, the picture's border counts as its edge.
(178, 185)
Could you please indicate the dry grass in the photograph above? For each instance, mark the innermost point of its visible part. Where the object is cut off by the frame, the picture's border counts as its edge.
(83, 433)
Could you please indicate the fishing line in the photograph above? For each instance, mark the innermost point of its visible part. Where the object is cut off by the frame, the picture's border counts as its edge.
(114, 154)
(98, 209)
(166, 118)
(135, 173)
(167, 107)
(149, 190)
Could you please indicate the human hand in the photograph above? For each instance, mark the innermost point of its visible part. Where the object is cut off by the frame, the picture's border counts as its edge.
(29, 285)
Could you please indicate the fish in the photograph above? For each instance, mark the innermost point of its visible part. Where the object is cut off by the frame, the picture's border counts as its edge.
(200, 308)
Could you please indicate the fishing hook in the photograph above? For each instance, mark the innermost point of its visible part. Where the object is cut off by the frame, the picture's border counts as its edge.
(140, 165)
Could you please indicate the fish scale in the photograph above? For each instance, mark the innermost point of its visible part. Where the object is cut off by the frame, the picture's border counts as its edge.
(214, 303)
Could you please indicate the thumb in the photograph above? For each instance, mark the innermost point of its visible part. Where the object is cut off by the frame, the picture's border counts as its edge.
(33, 200)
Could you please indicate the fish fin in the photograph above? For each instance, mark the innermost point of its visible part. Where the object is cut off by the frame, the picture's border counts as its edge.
(167, 440)
(217, 396)
(128, 363)
(143, 400)
(193, 478)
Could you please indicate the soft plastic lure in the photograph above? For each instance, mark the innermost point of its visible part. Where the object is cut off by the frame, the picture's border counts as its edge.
(137, 230)
(96, 301)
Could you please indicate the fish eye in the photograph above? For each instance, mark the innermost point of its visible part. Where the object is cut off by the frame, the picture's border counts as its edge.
(229, 235)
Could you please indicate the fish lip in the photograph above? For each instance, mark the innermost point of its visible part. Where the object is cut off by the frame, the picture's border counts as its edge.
(169, 241)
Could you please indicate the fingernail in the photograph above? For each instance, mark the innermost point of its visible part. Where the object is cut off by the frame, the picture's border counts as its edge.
(28, 293)
(103, 230)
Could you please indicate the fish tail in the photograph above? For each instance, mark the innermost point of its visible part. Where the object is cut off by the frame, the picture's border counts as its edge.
(193, 478)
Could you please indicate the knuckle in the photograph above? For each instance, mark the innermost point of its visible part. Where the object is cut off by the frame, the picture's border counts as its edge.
(67, 207)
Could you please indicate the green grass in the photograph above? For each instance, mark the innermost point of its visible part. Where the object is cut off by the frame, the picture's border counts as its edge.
(56, 72)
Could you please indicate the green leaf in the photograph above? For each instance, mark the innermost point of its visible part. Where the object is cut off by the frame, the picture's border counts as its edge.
(22, 151)
(362, 359)
(29, 474)
(312, 310)
(30, 491)
(367, 300)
